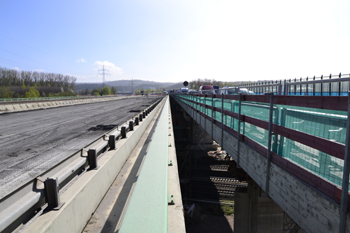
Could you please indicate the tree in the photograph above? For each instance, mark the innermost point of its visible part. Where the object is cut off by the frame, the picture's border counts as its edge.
(32, 93)
(114, 90)
(5, 92)
(105, 91)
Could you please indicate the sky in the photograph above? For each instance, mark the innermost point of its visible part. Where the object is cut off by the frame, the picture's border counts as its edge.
(177, 40)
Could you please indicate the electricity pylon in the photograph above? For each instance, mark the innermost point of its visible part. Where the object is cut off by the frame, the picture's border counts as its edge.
(103, 73)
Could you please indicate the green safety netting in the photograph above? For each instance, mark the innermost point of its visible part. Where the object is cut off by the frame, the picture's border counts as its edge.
(327, 124)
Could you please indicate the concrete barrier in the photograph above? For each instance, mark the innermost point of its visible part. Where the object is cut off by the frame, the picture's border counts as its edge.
(82, 197)
(25, 106)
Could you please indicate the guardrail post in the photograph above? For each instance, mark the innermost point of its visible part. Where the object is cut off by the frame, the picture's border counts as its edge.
(92, 159)
(123, 132)
(131, 125)
(136, 121)
(141, 116)
(345, 184)
(269, 147)
(51, 194)
(111, 142)
(239, 128)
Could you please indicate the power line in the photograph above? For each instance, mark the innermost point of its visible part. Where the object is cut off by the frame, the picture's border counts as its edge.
(104, 73)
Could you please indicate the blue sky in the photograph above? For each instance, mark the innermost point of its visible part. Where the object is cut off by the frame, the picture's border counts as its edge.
(174, 41)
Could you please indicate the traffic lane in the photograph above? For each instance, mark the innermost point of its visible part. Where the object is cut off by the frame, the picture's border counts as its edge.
(32, 142)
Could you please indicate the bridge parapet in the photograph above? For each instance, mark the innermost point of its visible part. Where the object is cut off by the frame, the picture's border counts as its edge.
(297, 158)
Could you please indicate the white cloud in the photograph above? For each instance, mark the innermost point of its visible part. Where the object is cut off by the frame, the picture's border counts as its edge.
(110, 68)
(81, 60)
(16, 68)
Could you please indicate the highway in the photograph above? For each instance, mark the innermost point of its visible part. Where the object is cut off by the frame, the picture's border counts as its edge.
(34, 141)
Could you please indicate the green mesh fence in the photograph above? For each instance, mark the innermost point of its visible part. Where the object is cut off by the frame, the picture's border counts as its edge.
(322, 123)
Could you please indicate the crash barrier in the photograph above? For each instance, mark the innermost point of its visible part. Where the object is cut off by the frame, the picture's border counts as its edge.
(44, 191)
(305, 136)
(27, 105)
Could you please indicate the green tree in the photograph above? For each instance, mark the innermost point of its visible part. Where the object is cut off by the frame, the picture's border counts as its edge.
(5, 92)
(114, 90)
(32, 93)
(105, 91)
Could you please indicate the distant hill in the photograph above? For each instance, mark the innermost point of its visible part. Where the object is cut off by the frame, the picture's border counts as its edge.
(126, 85)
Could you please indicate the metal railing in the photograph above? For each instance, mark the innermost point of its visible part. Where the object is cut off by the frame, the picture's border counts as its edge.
(21, 205)
(332, 85)
(230, 116)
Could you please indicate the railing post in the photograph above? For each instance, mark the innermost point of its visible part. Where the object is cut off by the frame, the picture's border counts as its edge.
(339, 86)
(212, 116)
(205, 112)
(136, 121)
(285, 92)
(345, 184)
(222, 121)
(313, 87)
(268, 160)
(239, 128)
(321, 86)
(330, 86)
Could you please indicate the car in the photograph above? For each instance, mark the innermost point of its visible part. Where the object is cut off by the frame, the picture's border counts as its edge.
(235, 91)
(206, 89)
(192, 91)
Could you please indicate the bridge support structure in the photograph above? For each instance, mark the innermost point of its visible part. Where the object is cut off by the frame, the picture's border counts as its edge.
(309, 208)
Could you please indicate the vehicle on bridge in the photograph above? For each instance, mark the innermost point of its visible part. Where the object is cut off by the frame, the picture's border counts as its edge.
(235, 91)
(206, 89)
(184, 90)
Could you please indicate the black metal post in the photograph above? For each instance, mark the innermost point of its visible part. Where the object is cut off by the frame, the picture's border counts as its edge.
(111, 142)
(239, 129)
(52, 193)
(131, 125)
(222, 121)
(92, 159)
(123, 132)
(268, 161)
(330, 86)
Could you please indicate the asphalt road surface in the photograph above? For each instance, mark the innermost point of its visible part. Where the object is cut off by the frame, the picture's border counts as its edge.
(34, 141)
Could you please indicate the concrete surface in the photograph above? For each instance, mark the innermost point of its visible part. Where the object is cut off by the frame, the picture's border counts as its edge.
(110, 212)
(83, 197)
(33, 141)
(176, 220)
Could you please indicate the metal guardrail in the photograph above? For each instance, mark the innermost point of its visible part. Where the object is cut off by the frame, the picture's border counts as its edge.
(21, 205)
